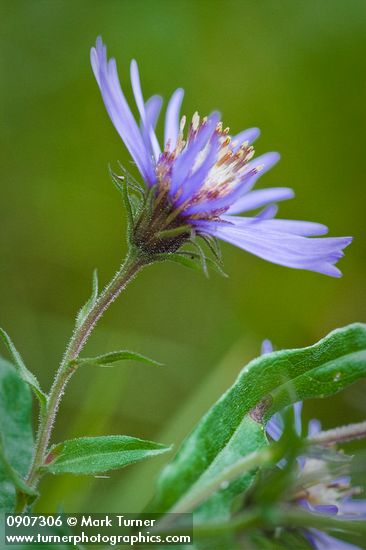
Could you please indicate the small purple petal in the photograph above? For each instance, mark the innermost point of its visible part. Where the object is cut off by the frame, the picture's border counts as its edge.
(261, 197)
(267, 213)
(322, 541)
(267, 347)
(249, 135)
(304, 504)
(172, 118)
(297, 414)
(314, 427)
(326, 509)
(274, 427)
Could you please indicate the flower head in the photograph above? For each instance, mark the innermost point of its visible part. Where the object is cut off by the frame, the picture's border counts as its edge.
(203, 177)
(318, 489)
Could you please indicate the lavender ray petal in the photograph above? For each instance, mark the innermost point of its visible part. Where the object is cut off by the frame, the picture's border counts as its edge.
(107, 78)
(196, 180)
(322, 541)
(137, 91)
(133, 138)
(172, 118)
(310, 537)
(265, 161)
(261, 197)
(249, 135)
(152, 108)
(301, 228)
(149, 132)
(285, 249)
(183, 165)
(355, 509)
(292, 244)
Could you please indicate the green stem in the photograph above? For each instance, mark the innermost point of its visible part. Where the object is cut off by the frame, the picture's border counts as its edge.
(198, 494)
(342, 434)
(133, 263)
(270, 518)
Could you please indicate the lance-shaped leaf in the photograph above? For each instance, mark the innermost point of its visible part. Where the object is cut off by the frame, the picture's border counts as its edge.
(12, 474)
(108, 359)
(83, 312)
(93, 455)
(15, 432)
(234, 426)
(24, 373)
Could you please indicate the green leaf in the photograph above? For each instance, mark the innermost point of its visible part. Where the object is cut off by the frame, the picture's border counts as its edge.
(15, 430)
(12, 474)
(107, 359)
(83, 312)
(234, 426)
(24, 373)
(92, 455)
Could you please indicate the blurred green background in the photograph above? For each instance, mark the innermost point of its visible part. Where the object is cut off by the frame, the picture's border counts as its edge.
(296, 69)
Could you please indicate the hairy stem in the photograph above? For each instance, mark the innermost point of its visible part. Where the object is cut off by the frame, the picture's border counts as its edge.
(133, 263)
(340, 435)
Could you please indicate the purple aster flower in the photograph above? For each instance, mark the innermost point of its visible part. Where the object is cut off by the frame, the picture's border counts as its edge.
(317, 489)
(202, 178)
